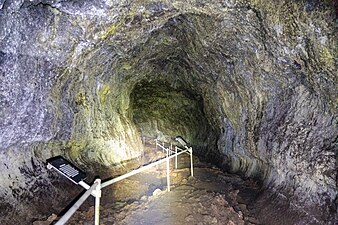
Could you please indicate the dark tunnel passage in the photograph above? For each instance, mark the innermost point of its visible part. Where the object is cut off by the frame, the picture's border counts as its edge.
(251, 85)
(162, 111)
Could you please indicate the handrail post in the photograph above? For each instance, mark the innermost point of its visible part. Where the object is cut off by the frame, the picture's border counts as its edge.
(176, 157)
(168, 173)
(97, 201)
(163, 147)
(191, 162)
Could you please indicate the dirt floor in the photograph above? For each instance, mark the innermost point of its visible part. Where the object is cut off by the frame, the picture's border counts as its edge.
(210, 197)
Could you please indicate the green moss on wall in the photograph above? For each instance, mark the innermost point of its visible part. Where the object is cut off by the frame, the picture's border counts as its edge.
(76, 148)
(104, 91)
(111, 30)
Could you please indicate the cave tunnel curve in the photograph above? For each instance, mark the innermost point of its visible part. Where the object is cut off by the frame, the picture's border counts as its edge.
(166, 84)
(239, 105)
(253, 93)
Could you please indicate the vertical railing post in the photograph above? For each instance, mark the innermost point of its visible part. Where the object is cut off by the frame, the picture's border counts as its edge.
(97, 201)
(163, 146)
(191, 162)
(176, 157)
(168, 173)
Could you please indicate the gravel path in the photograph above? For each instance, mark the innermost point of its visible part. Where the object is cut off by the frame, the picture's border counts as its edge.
(210, 197)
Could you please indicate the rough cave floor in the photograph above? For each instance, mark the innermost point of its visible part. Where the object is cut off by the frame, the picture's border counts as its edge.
(210, 197)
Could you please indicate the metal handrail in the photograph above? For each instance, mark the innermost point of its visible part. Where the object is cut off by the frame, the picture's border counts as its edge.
(189, 152)
(143, 168)
(164, 148)
(78, 203)
(96, 188)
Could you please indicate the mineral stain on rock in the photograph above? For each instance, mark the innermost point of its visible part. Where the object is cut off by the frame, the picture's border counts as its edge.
(251, 85)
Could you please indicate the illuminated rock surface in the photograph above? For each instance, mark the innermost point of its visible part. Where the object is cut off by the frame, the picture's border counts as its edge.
(252, 85)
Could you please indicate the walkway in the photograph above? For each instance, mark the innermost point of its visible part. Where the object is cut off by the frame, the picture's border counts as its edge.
(210, 197)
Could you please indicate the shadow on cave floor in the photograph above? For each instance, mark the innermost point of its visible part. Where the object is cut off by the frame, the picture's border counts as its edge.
(210, 197)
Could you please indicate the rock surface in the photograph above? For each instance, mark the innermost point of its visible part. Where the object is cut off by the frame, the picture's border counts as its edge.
(252, 85)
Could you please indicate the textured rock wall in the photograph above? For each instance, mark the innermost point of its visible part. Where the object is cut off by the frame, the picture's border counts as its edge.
(48, 104)
(262, 75)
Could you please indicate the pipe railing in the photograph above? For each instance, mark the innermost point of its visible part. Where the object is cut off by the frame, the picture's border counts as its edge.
(96, 187)
(141, 169)
(189, 152)
(163, 146)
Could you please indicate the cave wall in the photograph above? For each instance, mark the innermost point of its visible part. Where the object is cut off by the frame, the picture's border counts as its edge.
(50, 104)
(265, 72)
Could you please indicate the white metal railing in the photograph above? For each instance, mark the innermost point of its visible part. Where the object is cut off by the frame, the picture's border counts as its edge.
(143, 168)
(170, 151)
(96, 187)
